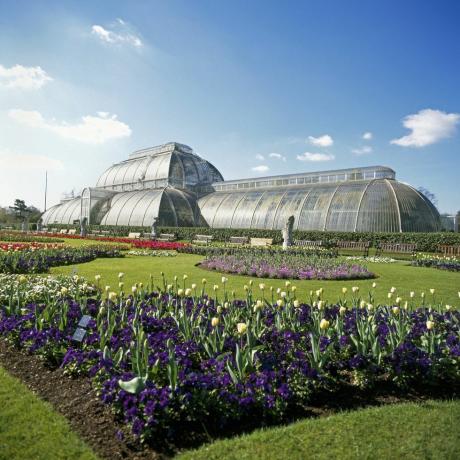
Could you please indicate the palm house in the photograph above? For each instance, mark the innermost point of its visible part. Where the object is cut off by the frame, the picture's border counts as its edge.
(173, 184)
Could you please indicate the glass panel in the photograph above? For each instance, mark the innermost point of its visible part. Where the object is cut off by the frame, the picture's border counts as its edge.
(151, 206)
(209, 206)
(314, 211)
(244, 212)
(378, 211)
(289, 206)
(224, 214)
(266, 209)
(344, 207)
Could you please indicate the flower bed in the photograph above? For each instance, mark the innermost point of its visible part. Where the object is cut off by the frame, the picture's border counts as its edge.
(150, 253)
(441, 262)
(210, 251)
(373, 259)
(141, 244)
(32, 246)
(40, 260)
(179, 365)
(287, 266)
(20, 237)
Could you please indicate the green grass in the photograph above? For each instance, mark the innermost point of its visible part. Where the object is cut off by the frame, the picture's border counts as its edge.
(409, 431)
(30, 429)
(400, 275)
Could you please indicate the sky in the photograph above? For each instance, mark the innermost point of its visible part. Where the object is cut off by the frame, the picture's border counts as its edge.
(257, 88)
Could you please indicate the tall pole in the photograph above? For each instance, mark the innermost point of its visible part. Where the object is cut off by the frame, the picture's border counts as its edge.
(46, 186)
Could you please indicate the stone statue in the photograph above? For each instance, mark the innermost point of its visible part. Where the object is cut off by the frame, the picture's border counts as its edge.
(83, 223)
(25, 225)
(39, 225)
(287, 233)
(155, 228)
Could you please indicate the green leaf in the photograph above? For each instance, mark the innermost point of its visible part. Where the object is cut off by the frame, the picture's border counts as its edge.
(134, 386)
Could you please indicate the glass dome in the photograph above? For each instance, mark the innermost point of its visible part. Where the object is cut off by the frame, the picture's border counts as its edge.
(171, 164)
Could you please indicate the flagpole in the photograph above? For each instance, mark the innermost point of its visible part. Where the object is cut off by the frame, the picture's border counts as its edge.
(46, 186)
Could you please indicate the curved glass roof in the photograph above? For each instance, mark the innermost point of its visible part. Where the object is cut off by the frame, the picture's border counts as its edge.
(378, 205)
(171, 164)
(140, 208)
(64, 213)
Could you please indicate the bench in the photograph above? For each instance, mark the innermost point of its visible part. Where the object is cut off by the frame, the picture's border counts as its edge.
(309, 244)
(202, 239)
(54, 230)
(358, 245)
(449, 250)
(134, 235)
(63, 231)
(238, 240)
(72, 231)
(261, 241)
(402, 248)
(166, 237)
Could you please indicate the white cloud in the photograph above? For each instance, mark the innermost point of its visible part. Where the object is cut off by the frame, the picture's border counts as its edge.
(363, 150)
(367, 136)
(278, 156)
(310, 156)
(22, 77)
(321, 141)
(260, 157)
(91, 129)
(261, 168)
(427, 127)
(120, 34)
(10, 161)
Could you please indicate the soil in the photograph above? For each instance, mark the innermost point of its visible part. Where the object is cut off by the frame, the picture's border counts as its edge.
(76, 400)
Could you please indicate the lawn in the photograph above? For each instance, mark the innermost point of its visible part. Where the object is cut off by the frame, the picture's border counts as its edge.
(409, 431)
(30, 429)
(400, 275)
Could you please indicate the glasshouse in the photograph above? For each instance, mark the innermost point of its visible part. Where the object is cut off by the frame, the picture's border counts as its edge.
(177, 187)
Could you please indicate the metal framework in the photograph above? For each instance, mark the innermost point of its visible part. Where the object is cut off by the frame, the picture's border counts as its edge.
(173, 184)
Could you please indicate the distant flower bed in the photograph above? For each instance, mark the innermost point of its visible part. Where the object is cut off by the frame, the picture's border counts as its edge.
(154, 253)
(287, 266)
(20, 237)
(143, 244)
(440, 262)
(373, 259)
(32, 246)
(157, 245)
(41, 260)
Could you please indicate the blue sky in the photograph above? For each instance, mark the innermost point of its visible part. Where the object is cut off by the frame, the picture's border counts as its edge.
(257, 88)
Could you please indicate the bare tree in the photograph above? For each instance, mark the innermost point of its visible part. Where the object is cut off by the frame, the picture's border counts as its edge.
(431, 196)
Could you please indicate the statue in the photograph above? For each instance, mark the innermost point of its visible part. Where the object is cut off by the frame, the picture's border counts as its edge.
(155, 228)
(83, 227)
(25, 224)
(39, 225)
(287, 233)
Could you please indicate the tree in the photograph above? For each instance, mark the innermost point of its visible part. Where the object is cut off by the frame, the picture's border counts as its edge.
(23, 212)
(431, 196)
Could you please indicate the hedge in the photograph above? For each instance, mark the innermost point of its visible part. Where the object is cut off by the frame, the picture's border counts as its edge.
(427, 242)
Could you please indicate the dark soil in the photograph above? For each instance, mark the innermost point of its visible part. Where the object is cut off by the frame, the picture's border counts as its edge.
(76, 400)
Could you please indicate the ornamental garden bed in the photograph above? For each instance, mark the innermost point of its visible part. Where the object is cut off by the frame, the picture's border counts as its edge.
(179, 366)
(40, 260)
(287, 266)
(449, 263)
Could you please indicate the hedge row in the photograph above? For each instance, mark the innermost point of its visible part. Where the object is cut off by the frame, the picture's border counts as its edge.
(428, 242)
